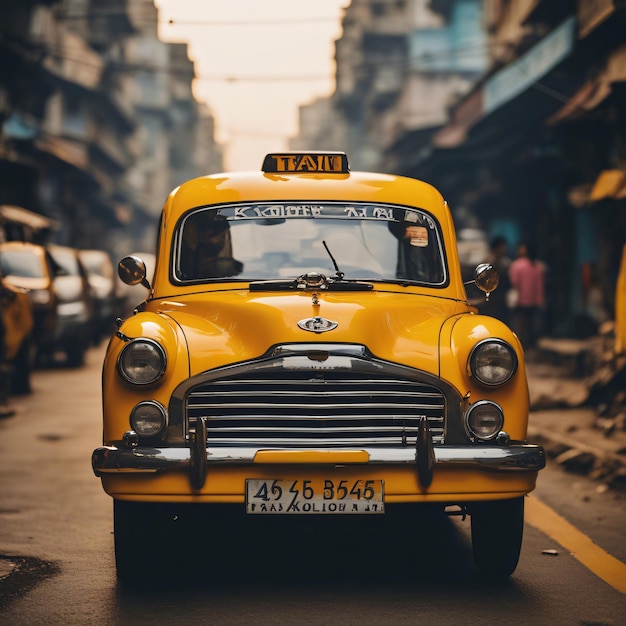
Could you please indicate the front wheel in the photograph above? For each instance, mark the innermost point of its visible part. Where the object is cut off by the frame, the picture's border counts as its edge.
(497, 529)
(23, 364)
(76, 354)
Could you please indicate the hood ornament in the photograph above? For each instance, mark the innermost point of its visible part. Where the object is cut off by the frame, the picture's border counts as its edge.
(317, 324)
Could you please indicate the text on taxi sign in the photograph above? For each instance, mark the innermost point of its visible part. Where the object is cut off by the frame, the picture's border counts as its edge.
(334, 162)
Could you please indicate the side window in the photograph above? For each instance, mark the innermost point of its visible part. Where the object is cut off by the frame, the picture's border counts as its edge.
(54, 269)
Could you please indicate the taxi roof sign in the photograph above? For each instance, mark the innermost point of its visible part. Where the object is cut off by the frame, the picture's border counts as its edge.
(306, 162)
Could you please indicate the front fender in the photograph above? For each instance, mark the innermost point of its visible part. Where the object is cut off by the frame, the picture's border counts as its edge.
(459, 337)
(119, 397)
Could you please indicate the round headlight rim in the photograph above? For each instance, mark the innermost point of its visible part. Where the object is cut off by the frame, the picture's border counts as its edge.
(479, 346)
(161, 409)
(471, 409)
(159, 348)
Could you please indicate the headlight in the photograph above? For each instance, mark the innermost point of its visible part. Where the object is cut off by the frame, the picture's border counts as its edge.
(492, 362)
(484, 420)
(148, 418)
(141, 362)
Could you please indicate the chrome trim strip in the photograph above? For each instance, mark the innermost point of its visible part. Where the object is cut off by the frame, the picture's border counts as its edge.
(309, 405)
(240, 207)
(522, 457)
(346, 443)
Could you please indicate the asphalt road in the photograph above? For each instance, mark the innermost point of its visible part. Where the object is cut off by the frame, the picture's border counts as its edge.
(56, 527)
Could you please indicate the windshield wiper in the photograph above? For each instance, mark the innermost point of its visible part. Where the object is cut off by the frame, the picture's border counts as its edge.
(314, 280)
(338, 274)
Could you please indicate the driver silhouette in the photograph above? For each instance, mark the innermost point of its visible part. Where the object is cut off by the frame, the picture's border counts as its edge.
(207, 249)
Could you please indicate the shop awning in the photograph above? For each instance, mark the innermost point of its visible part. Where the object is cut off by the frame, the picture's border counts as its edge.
(466, 114)
(609, 184)
(507, 88)
(594, 91)
(68, 151)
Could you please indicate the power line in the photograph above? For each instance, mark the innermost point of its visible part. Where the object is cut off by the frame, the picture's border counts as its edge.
(314, 20)
(211, 23)
(426, 60)
(178, 69)
(261, 79)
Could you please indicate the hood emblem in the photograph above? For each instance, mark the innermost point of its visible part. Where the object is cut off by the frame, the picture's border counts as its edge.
(317, 324)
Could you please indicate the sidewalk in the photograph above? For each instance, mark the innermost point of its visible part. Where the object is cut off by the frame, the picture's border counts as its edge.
(565, 379)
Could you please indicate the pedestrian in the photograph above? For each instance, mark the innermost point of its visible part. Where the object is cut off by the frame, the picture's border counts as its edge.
(527, 275)
(497, 304)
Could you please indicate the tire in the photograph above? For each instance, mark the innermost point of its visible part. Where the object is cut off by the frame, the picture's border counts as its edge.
(23, 365)
(76, 354)
(497, 529)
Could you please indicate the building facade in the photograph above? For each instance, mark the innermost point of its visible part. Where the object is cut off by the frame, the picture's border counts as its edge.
(97, 119)
(515, 110)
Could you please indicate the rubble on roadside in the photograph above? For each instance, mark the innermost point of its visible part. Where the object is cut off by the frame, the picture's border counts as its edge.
(578, 404)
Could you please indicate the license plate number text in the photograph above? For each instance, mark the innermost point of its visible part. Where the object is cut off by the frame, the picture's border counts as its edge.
(326, 496)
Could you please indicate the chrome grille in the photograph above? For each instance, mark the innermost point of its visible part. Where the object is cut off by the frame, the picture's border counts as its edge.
(313, 409)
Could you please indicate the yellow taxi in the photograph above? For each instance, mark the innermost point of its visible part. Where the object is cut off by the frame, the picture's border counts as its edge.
(16, 339)
(620, 307)
(29, 266)
(307, 348)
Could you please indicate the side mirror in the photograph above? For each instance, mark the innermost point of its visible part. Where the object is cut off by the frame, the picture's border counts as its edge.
(486, 278)
(132, 271)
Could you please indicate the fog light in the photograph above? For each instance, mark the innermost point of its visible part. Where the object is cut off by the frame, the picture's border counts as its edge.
(484, 420)
(148, 418)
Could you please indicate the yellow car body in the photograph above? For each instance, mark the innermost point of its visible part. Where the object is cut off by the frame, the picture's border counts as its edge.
(347, 394)
(17, 341)
(620, 307)
(28, 266)
(17, 315)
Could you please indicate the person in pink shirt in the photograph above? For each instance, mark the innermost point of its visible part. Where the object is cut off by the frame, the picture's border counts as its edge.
(527, 276)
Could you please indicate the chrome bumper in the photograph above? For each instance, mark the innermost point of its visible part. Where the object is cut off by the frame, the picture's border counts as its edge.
(522, 457)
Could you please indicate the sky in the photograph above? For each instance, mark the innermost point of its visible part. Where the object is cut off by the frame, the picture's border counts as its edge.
(256, 61)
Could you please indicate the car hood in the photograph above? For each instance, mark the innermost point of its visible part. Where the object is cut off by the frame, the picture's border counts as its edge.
(238, 326)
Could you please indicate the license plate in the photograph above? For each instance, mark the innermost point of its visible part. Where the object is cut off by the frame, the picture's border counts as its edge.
(325, 496)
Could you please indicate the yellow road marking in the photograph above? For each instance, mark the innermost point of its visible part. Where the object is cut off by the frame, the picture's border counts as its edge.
(592, 556)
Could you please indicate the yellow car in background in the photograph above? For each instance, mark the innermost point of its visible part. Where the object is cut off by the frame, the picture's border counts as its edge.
(29, 267)
(620, 307)
(307, 348)
(17, 349)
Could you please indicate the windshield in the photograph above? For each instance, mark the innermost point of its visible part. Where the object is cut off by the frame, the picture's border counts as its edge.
(22, 263)
(67, 260)
(273, 241)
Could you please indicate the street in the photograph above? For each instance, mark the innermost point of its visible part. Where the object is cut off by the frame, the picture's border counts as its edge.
(395, 569)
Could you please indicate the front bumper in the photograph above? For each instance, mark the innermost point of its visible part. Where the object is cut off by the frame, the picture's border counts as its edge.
(517, 457)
